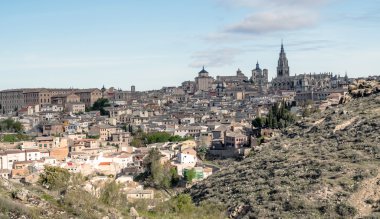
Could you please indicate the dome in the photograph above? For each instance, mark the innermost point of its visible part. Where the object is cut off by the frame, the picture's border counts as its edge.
(203, 70)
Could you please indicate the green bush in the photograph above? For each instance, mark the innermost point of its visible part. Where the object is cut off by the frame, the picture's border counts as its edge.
(189, 175)
(9, 125)
(54, 178)
(14, 138)
(111, 194)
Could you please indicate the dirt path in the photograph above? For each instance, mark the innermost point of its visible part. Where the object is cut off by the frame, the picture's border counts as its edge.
(369, 190)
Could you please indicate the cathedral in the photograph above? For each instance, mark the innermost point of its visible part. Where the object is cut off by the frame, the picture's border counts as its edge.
(260, 79)
(299, 83)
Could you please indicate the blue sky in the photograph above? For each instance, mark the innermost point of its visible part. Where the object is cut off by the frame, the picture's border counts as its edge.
(150, 44)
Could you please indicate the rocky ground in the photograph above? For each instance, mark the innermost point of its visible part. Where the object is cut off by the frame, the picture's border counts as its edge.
(27, 201)
(323, 166)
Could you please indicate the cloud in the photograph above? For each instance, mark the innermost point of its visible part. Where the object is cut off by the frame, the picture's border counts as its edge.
(298, 45)
(273, 21)
(215, 58)
(264, 19)
(266, 16)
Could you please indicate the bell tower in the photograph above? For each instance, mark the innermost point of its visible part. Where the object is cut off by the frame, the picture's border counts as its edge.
(282, 67)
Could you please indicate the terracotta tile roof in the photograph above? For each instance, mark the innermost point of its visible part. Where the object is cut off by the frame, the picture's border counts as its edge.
(104, 163)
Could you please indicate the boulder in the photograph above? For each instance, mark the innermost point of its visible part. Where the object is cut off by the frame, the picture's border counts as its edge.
(352, 87)
(133, 213)
(21, 194)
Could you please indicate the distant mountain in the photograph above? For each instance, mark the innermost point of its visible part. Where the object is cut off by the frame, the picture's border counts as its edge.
(325, 166)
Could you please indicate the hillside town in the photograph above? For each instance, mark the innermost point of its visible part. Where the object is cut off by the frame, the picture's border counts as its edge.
(97, 132)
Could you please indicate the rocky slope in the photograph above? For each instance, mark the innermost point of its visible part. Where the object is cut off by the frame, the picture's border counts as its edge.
(28, 202)
(324, 166)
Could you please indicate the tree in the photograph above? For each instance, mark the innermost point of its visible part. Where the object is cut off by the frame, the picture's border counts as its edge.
(258, 122)
(159, 175)
(9, 125)
(174, 176)
(278, 116)
(100, 104)
(111, 194)
(202, 151)
(183, 203)
(190, 175)
(54, 178)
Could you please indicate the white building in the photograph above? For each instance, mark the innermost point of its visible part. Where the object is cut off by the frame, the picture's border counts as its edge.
(7, 158)
(32, 154)
(187, 156)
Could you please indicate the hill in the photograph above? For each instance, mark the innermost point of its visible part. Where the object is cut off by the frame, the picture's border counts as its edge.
(323, 166)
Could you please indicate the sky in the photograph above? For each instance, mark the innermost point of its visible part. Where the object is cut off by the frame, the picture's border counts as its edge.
(156, 43)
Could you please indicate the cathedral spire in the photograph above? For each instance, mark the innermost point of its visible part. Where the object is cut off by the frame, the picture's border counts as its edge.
(282, 45)
(283, 67)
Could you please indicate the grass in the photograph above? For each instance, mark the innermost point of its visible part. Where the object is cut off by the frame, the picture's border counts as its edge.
(11, 208)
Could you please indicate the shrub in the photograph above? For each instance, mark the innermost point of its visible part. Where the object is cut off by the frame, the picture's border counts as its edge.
(54, 178)
(111, 194)
(345, 210)
(16, 209)
(190, 175)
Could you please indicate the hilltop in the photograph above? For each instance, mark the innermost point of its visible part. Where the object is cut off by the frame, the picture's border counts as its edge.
(326, 165)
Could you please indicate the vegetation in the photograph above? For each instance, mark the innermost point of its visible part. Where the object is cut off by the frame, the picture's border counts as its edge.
(141, 138)
(9, 125)
(159, 175)
(308, 109)
(54, 178)
(14, 138)
(279, 117)
(190, 175)
(93, 136)
(202, 152)
(110, 194)
(100, 104)
(181, 206)
(316, 168)
(75, 202)
(9, 207)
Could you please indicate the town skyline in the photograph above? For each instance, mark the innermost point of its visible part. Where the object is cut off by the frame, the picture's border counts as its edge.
(122, 44)
(133, 87)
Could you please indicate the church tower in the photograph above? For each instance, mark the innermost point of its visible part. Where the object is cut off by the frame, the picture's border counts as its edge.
(283, 67)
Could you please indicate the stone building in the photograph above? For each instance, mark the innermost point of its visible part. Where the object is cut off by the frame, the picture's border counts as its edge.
(203, 81)
(14, 100)
(89, 96)
(11, 100)
(299, 83)
(239, 77)
(37, 97)
(189, 87)
(260, 78)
